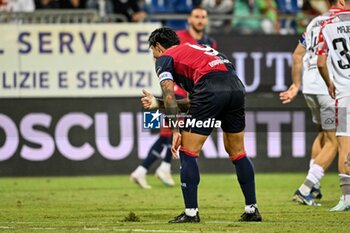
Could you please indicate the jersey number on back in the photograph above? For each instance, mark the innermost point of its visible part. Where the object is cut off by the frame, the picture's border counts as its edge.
(206, 49)
(344, 52)
(313, 41)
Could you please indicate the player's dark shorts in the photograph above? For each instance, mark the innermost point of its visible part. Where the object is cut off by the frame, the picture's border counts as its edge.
(220, 97)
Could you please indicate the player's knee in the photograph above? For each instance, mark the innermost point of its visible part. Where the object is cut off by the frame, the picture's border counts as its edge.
(237, 155)
(331, 138)
(344, 170)
(235, 150)
(190, 151)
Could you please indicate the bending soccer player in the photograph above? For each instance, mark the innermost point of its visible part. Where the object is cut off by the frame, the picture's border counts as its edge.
(195, 34)
(334, 41)
(321, 104)
(215, 93)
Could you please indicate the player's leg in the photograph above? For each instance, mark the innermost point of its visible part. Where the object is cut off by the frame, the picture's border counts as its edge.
(302, 194)
(191, 145)
(326, 156)
(343, 136)
(233, 124)
(317, 145)
(328, 123)
(163, 172)
(344, 155)
(204, 105)
(330, 146)
(317, 169)
(313, 104)
(344, 174)
(234, 145)
(139, 174)
(315, 150)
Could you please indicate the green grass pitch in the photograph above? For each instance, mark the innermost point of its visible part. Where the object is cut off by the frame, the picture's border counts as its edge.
(102, 203)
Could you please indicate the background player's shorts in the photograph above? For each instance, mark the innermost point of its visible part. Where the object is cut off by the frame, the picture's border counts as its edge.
(322, 110)
(342, 114)
(220, 98)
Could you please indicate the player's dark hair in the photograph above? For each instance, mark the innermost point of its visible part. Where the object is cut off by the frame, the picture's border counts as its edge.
(164, 36)
(332, 2)
(198, 8)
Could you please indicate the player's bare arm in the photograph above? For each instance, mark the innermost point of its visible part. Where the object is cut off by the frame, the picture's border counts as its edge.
(289, 95)
(149, 102)
(322, 67)
(171, 110)
(182, 104)
(169, 99)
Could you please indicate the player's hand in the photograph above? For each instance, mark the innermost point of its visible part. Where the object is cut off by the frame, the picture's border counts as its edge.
(331, 90)
(289, 95)
(148, 101)
(176, 144)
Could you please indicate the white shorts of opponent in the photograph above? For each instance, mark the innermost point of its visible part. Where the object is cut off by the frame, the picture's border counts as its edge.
(322, 110)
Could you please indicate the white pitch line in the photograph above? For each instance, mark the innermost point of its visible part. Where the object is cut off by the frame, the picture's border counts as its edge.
(229, 222)
(133, 230)
(149, 230)
(32, 228)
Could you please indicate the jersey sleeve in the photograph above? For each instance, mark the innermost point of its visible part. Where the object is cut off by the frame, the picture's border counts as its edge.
(322, 47)
(302, 40)
(165, 68)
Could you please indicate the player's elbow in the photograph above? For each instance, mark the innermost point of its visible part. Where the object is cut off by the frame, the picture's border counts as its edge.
(321, 62)
(321, 65)
(297, 58)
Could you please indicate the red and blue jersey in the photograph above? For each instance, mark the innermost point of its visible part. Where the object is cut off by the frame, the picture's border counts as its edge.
(185, 37)
(186, 64)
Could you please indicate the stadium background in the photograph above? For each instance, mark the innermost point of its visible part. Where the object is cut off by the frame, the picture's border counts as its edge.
(63, 120)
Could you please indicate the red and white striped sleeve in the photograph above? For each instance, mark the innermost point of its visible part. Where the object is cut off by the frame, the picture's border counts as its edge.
(322, 47)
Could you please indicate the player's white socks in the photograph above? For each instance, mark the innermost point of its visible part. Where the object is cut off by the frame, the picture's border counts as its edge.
(191, 212)
(313, 177)
(318, 184)
(315, 174)
(312, 161)
(140, 171)
(250, 209)
(165, 166)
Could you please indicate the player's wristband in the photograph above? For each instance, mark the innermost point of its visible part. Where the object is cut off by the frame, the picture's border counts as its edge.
(154, 104)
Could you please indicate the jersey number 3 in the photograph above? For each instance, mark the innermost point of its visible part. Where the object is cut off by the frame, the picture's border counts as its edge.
(343, 52)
